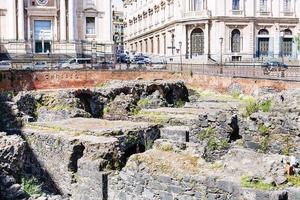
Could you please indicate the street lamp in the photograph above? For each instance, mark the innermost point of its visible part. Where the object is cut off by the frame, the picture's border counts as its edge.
(221, 54)
(180, 45)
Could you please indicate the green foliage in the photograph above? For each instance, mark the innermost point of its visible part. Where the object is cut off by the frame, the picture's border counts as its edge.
(287, 147)
(106, 110)
(180, 103)
(264, 144)
(101, 85)
(142, 103)
(213, 143)
(251, 107)
(235, 94)
(263, 130)
(155, 117)
(247, 182)
(134, 111)
(265, 106)
(294, 180)
(31, 186)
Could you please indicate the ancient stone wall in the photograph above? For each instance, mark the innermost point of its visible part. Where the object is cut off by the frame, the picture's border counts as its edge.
(26, 80)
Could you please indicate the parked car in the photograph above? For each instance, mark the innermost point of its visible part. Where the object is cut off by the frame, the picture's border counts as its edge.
(77, 63)
(271, 66)
(39, 65)
(122, 58)
(5, 65)
(103, 65)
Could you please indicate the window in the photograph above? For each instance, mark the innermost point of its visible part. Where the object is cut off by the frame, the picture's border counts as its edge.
(287, 5)
(90, 25)
(196, 5)
(263, 6)
(235, 41)
(235, 4)
(197, 42)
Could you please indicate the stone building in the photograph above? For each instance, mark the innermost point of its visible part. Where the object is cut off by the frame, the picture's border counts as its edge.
(56, 27)
(118, 28)
(213, 30)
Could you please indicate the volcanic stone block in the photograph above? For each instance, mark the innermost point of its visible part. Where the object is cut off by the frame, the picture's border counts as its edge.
(176, 133)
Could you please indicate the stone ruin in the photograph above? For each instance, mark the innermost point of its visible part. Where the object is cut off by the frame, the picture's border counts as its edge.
(148, 140)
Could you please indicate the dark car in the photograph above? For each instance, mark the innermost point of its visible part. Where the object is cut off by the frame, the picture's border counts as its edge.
(271, 66)
(122, 58)
(103, 65)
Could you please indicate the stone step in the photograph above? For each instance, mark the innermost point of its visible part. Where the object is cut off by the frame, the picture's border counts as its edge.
(175, 133)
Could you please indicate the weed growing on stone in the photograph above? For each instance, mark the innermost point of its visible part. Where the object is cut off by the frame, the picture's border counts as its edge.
(235, 94)
(247, 182)
(263, 130)
(251, 107)
(101, 85)
(264, 144)
(155, 117)
(180, 103)
(265, 106)
(142, 103)
(294, 180)
(286, 150)
(31, 186)
(213, 143)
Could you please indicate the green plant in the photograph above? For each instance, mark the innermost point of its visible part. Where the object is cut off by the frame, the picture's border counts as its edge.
(294, 180)
(166, 147)
(247, 182)
(142, 103)
(134, 110)
(31, 186)
(286, 150)
(251, 107)
(101, 85)
(265, 106)
(213, 143)
(263, 130)
(180, 103)
(264, 144)
(235, 94)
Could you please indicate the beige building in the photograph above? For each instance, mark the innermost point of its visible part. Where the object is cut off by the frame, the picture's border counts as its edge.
(213, 30)
(56, 27)
(118, 28)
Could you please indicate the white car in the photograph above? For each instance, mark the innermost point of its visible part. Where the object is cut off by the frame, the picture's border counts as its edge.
(76, 63)
(5, 65)
(39, 65)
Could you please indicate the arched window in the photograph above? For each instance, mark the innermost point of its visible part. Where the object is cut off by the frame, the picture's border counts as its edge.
(235, 4)
(263, 32)
(235, 40)
(288, 32)
(197, 42)
(287, 43)
(263, 42)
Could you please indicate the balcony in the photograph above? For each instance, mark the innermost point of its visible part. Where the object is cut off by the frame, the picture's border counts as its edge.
(288, 13)
(237, 12)
(197, 13)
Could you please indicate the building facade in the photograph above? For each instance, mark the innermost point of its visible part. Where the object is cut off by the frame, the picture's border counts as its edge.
(118, 28)
(56, 27)
(213, 30)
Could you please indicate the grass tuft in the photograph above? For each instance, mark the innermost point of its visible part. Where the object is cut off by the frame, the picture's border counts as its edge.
(247, 182)
(31, 186)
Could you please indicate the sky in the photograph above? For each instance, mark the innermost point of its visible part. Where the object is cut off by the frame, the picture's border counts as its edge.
(118, 3)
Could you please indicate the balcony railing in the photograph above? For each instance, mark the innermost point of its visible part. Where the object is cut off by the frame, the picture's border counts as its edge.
(237, 12)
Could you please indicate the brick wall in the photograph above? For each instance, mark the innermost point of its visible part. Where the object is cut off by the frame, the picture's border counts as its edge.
(26, 80)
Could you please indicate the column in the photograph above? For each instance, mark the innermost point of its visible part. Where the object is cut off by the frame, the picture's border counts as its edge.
(62, 17)
(206, 39)
(21, 20)
(11, 20)
(71, 20)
